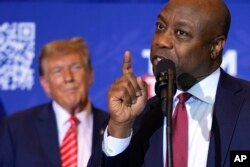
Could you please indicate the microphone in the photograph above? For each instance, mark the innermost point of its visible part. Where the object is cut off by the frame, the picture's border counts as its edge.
(165, 86)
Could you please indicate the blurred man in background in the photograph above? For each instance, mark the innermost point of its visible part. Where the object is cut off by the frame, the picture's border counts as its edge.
(64, 131)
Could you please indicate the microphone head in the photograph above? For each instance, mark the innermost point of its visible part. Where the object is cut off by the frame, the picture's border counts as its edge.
(163, 66)
(165, 73)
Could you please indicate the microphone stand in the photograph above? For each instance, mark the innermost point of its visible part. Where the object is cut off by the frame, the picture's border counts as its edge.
(167, 108)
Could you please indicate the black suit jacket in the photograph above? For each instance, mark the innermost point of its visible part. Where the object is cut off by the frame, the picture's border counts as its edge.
(30, 139)
(230, 130)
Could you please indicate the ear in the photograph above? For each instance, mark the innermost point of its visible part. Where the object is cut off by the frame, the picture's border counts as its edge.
(45, 84)
(217, 46)
(90, 76)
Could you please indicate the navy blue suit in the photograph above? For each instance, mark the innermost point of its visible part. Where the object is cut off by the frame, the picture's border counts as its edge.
(30, 139)
(230, 130)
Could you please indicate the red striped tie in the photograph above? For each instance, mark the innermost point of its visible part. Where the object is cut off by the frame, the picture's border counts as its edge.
(180, 133)
(69, 146)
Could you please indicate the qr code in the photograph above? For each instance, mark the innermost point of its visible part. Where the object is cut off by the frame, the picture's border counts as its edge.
(17, 51)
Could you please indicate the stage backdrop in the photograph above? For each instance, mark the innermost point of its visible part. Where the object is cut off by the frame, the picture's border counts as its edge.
(109, 29)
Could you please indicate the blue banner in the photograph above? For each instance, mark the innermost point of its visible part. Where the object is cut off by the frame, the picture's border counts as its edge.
(109, 29)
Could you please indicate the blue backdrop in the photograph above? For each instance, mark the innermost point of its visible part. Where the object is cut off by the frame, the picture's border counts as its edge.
(109, 29)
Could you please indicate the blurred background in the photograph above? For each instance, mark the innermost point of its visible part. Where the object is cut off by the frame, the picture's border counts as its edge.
(109, 26)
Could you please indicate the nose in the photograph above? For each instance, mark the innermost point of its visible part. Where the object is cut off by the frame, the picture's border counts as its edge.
(67, 75)
(164, 40)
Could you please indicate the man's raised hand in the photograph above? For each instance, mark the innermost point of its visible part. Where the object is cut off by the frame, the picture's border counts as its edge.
(126, 99)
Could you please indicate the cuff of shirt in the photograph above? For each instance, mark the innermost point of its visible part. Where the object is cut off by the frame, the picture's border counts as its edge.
(112, 146)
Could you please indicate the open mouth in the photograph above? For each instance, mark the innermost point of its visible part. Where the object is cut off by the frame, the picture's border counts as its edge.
(155, 60)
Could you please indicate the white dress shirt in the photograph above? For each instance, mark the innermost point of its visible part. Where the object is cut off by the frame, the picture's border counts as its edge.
(85, 131)
(200, 110)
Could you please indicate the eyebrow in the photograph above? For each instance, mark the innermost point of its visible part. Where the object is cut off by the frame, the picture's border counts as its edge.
(179, 23)
(160, 17)
(182, 23)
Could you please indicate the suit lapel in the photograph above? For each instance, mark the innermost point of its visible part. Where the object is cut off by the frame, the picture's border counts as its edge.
(48, 135)
(228, 102)
(152, 138)
(100, 120)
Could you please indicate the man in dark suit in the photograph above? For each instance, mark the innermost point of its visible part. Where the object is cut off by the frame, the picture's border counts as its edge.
(192, 34)
(35, 137)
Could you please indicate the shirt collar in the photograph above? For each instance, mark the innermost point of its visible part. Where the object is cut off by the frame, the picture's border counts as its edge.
(62, 116)
(205, 90)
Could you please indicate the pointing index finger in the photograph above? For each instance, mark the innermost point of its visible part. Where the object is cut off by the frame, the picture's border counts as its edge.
(126, 66)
